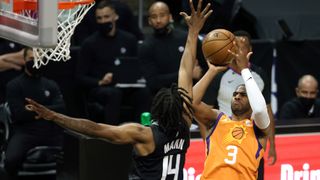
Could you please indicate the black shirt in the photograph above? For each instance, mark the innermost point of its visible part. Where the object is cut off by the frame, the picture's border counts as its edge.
(160, 58)
(293, 109)
(40, 89)
(7, 46)
(98, 55)
(167, 160)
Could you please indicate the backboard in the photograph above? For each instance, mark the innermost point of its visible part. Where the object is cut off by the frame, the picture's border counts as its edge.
(34, 28)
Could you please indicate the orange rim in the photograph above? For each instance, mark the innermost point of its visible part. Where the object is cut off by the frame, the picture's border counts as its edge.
(20, 5)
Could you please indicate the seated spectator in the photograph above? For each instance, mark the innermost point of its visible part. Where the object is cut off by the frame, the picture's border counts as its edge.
(98, 58)
(161, 51)
(306, 104)
(11, 63)
(29, 132)
(126, 22)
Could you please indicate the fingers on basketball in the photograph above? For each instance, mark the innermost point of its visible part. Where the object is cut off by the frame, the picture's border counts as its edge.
(216, 47)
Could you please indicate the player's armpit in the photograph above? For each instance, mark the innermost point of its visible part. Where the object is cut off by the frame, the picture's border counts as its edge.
(205, 114)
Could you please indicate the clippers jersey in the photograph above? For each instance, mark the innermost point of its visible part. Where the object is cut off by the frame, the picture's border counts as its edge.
(233, 150)
(167, 160)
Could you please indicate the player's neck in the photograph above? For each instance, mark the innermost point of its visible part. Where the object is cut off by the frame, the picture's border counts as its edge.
(241, 117)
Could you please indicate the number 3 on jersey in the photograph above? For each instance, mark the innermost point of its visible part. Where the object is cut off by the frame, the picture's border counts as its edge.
(168, 168)
(232, 154)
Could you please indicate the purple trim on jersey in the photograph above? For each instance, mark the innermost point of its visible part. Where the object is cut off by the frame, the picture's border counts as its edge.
(259, 144)
(213, 128)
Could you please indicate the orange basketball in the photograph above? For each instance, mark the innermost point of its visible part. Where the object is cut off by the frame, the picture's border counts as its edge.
(215, 47)
(237, 133)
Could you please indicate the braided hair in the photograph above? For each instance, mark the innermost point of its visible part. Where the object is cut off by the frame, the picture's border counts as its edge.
(168, 110)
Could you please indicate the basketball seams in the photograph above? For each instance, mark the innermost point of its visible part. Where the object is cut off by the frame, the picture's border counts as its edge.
(219, 49)
(215, 47)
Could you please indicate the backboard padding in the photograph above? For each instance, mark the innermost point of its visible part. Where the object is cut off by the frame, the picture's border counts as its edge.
(37, 31)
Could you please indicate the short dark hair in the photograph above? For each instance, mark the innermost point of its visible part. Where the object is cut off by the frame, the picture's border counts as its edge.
(106, 3)
(244, 34)
(168, 110)
(25, 51)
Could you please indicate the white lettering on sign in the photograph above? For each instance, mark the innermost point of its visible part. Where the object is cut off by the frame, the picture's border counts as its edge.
(190, 174)
(288, 173)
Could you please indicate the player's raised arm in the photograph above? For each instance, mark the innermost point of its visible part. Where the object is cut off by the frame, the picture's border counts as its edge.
(195, 22)
(256, 99)
(204, 113)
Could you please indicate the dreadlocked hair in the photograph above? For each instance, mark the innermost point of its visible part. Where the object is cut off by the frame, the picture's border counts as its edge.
(168, 110)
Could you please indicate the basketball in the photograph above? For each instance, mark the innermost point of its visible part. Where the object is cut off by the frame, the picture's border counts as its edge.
(215, 47)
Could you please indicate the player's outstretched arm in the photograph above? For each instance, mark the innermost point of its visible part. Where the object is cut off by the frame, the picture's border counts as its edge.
(195, 23)
(130, 133)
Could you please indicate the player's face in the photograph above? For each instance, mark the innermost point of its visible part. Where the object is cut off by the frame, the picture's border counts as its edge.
(159, 17)
(105, 15)
(240, 103)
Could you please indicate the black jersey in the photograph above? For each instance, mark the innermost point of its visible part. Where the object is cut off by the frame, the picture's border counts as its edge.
(167, 160)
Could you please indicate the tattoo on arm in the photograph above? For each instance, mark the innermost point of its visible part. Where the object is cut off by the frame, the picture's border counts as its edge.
(83, 126)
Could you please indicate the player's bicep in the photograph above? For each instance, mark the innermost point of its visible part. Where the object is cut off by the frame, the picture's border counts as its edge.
(185, 81)
(130, 133)
(205, 114)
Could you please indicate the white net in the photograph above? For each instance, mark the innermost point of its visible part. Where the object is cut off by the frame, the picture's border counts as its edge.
(68, 19)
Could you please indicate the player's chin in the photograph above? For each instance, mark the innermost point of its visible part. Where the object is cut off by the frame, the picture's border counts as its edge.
(236, 107)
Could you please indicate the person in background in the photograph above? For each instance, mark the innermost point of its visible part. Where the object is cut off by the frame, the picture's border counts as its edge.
(99, 57)
(127, 22)
(28, 132)
(305, 104)
(11, 64)
(160, 52)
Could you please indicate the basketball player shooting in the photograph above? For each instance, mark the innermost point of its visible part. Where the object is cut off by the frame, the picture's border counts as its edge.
(159, 149)
(241, 139)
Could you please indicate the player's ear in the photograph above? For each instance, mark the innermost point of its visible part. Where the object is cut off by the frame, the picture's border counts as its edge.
(149, 21)
(116, 17)
(170, 18)
(297, 92)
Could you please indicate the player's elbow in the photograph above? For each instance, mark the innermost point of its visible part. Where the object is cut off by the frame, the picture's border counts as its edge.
(262, 119)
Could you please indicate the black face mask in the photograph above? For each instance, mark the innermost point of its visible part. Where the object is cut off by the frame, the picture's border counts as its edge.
(33, 71)
(307, 102)
(163, 31)
(105, 28)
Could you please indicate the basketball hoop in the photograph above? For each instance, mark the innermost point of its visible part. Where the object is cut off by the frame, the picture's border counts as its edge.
(70, 14)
